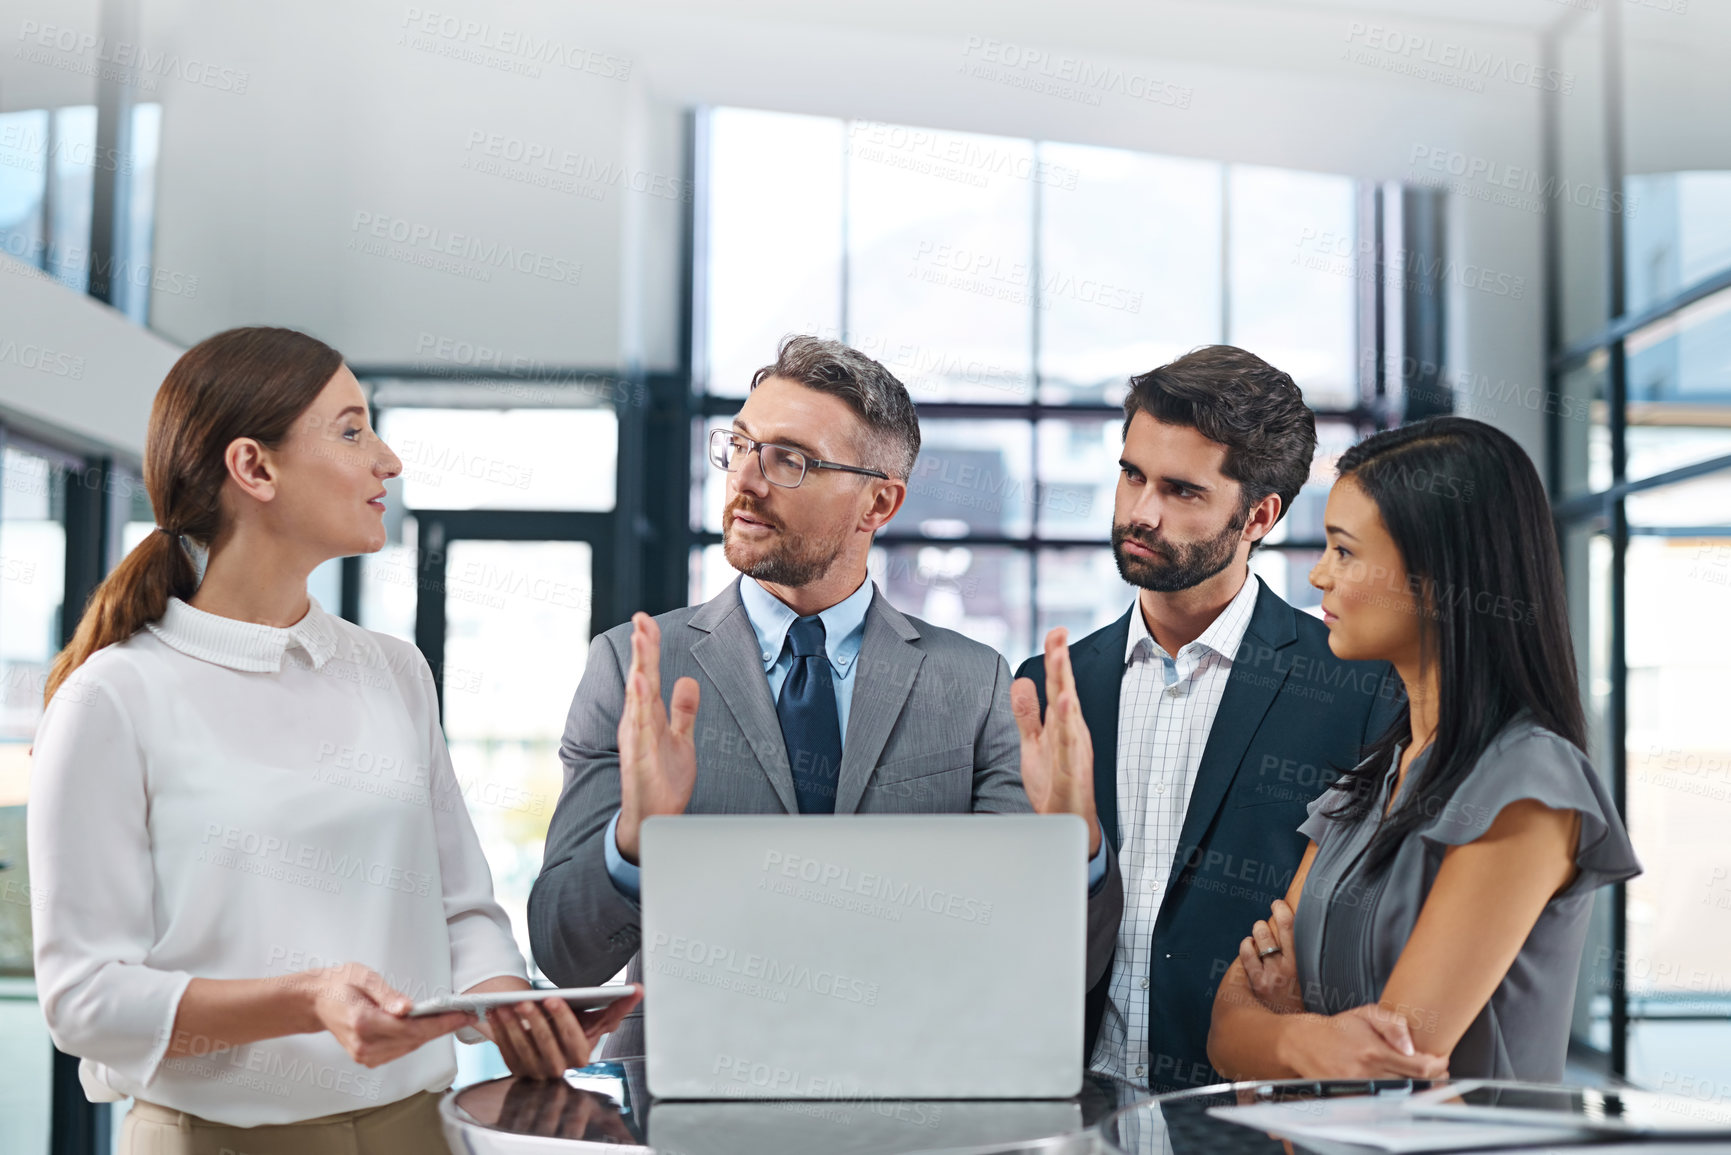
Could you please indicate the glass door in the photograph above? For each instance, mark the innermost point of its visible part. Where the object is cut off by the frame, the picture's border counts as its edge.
(507, 604)
(32, 585)
(1678, 572)
(517, 624)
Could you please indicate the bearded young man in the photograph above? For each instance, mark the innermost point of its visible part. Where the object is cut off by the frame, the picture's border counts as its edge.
(1217, 711)
(799, 689)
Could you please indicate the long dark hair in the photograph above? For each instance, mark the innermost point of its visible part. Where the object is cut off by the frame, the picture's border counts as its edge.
(240, 383)
(1464, 506)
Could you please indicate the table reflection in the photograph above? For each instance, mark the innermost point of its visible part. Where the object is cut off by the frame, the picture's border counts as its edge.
(608, 1105)
(1179, 1124)
(589, 1111)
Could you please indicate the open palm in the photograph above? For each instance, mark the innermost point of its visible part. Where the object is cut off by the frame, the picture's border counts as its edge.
(657, 756)
(1057, 750)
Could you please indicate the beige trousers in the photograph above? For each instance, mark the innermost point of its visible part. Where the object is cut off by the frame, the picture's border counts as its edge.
(407, 1127)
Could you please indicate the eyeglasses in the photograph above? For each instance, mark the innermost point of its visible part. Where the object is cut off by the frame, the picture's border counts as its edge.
(781, 465)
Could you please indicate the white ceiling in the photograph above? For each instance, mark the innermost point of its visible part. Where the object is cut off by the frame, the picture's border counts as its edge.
(1170, 29)
(1131, 23)
(1529, 15)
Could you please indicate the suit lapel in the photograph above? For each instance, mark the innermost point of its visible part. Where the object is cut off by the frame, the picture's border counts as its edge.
(1099, 670)
(728, 648)
(883, 677)
(1258, 671)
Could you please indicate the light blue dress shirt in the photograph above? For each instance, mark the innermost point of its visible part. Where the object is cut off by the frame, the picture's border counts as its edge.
(843, 632)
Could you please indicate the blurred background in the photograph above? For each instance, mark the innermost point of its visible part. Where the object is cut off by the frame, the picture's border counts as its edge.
(554, 240)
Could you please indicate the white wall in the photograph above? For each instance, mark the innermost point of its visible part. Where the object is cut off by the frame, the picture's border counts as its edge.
(346, 134)
(1679, 90)
(24, 83)
(325, 119)
(69, 364)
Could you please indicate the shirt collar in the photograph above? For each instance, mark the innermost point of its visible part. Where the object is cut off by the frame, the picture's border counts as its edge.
(843, 623)
(246, 646)
(1224, 634)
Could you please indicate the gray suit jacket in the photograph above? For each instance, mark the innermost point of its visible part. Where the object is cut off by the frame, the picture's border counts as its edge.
(929, 732)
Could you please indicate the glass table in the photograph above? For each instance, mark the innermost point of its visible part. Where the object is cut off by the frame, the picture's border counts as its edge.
(1179, 1123)
(606, 1107)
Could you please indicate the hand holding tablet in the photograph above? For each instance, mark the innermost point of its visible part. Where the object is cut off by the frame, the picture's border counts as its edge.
(579, 999)
(540, 1032)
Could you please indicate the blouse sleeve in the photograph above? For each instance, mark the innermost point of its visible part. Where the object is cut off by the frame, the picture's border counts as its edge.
(93, 885)
(1530, 763)
(1315, 826)
(481, 942)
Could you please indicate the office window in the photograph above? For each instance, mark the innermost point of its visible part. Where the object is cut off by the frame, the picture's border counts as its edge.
(516, 633)
(72, 188)
(1679, 234)
(48, 164)
(390, 579)
(133, 250)
(504, 458)
(1013, 286)
(1679, 780)
(32, 583)
(1129, 263)
(777, 181)
(940, 274)
(1297, 314)
(479, 524)
(32, 580)
(1679, 388)
(23, 184)
(1642, 482)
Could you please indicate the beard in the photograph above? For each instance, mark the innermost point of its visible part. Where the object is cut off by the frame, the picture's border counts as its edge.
(1178, 566)
(784, 559)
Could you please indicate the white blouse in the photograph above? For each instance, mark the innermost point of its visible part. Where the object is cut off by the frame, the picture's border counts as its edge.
(217, 799)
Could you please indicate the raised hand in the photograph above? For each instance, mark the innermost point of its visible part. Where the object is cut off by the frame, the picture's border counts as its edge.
(657, 758)
(1057, 751)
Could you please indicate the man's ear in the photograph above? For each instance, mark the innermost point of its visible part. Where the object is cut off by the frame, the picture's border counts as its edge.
(250, 467)
(1262, 517)
(886, 503)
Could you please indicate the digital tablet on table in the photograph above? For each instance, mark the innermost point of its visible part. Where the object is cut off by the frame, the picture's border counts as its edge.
(1614, 1111)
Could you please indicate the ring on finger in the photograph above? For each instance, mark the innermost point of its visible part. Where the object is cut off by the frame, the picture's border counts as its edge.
(1273, 950)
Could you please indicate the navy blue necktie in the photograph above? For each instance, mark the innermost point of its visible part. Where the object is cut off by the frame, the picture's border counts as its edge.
(810, 726)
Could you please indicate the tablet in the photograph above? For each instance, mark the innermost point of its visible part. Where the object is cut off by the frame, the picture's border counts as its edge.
(580, 998)
(1620, 1111)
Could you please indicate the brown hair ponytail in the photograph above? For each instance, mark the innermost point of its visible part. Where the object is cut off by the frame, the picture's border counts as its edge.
(240, 383)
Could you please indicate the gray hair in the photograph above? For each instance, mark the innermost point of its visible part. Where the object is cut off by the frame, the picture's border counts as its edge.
(870, 390)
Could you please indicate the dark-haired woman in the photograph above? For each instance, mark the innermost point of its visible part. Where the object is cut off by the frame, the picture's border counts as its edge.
(1440, 911)
(252, 849)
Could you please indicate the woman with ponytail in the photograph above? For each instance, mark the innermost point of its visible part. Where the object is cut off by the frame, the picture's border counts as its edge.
(251, 848)
(1441, 908)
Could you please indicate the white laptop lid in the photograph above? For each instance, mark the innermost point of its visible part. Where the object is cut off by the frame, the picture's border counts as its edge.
(864, 957)
(874, 1127)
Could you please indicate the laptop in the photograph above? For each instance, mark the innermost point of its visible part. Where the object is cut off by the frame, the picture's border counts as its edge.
(870, 958)
(877, 1127)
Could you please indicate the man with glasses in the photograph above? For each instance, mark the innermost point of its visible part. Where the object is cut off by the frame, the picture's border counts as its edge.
(799, 689)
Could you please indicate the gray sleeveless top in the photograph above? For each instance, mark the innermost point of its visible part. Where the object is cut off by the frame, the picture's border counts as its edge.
(1350, 927)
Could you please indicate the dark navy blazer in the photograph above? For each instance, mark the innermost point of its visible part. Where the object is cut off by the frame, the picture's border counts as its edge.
(1292, 717)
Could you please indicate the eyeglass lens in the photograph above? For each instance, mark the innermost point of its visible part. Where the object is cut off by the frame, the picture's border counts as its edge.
(785, 467)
